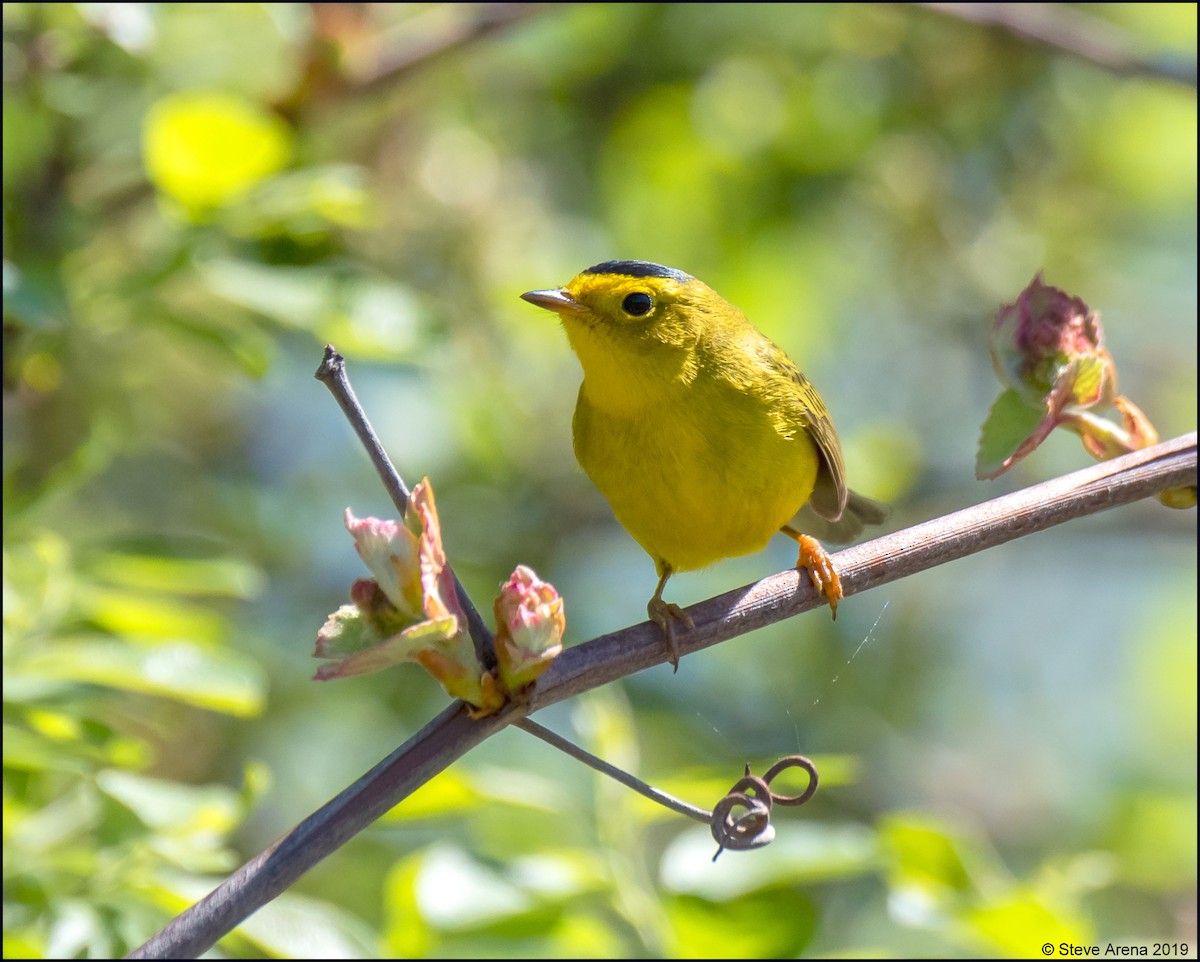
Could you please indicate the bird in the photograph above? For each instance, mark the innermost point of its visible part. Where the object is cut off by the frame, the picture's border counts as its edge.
(701, 433)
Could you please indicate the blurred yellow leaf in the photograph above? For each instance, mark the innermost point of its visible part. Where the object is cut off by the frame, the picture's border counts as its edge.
(206, 149)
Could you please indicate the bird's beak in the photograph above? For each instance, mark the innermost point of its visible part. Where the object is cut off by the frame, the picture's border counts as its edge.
(557, 300)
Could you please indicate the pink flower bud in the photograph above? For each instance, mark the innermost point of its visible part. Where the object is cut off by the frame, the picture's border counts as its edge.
(1048, 351)
(530, 622)
(1050, 345)
(409, 611)
(391, 553)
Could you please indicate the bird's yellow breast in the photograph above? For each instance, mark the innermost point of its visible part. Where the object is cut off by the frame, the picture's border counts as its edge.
(706, 471)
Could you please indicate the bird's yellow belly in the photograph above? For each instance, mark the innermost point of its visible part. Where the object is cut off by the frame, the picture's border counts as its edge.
(691, 494)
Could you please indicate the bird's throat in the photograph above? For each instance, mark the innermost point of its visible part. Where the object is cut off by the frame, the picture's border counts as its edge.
(626, 379)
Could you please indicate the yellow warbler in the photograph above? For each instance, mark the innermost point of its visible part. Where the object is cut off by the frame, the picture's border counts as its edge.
(702, 434)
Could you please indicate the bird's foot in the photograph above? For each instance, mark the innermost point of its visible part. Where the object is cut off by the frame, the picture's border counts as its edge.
(816, 561)
(664, 614)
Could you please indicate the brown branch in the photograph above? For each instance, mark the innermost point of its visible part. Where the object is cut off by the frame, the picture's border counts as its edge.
(449, 736)
(430, 35)
(1066, 29)
(431, 750)
(888, 558)
(350, 55)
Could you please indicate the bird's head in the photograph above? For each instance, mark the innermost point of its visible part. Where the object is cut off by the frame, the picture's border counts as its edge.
(633, 324)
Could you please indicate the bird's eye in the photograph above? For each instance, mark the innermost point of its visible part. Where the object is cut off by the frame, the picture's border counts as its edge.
(637, 304)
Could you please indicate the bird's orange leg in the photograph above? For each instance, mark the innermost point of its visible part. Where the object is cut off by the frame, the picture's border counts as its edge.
(816, 561)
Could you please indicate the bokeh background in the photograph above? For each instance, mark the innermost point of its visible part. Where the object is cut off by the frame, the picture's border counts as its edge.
(197, 197)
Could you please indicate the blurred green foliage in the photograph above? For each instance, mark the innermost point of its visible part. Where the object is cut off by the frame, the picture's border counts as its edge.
(197, 197)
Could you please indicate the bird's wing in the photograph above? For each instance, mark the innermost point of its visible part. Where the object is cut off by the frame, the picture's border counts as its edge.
(829, 493)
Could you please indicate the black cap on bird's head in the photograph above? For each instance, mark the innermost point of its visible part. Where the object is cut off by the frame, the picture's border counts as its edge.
(639, 269)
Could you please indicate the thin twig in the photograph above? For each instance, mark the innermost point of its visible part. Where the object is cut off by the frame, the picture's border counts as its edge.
(449, 736)
(600, 765)
(1067, 29)
(332, 373)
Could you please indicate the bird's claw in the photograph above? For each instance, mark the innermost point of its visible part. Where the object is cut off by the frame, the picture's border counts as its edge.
(664, 614)
(816, 561)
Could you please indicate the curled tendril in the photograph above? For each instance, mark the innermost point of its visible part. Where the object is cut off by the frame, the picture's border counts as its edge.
(752, 796)
(793, 761)
(741, 820)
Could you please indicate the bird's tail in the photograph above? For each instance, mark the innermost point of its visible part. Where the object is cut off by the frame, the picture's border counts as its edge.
(860, 512)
